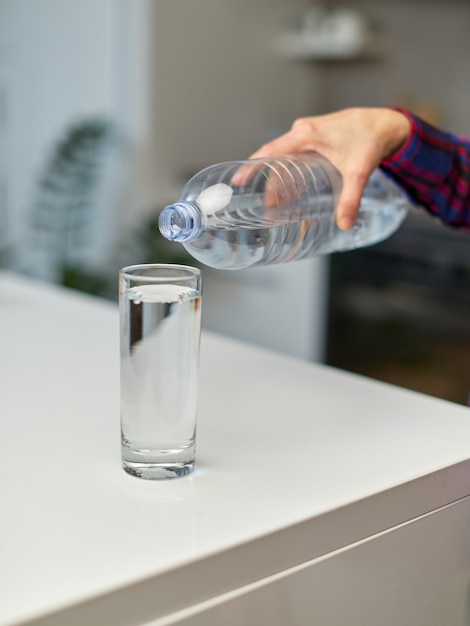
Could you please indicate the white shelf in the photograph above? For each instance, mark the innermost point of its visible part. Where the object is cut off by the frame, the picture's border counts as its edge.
(306, 46)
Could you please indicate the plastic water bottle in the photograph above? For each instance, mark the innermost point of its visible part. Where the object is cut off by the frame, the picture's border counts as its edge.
(243, 213)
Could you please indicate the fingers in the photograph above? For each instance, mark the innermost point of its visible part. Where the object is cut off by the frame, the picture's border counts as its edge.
(245, 173)
(283, 145)
(352, 140)
(288, 143)
(346, 213)
(350, 199)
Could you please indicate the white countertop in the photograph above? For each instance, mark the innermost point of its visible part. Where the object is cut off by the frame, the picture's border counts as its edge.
(293, 460)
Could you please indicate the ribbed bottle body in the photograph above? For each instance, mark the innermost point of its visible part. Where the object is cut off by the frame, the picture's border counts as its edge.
(277, 210)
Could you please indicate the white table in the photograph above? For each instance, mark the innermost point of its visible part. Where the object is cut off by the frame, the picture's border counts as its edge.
(319, 497)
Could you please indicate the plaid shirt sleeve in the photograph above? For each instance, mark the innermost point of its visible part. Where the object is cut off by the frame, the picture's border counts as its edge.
(433, 167)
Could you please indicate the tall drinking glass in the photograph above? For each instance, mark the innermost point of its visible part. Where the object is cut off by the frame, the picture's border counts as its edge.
(160, 315)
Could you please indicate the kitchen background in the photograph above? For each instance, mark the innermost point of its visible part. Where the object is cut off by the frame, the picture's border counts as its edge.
(108, 106)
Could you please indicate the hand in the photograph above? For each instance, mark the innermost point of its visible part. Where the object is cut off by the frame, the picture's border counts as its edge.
(354, 140)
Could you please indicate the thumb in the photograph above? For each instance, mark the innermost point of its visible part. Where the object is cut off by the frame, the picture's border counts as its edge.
(349, 201)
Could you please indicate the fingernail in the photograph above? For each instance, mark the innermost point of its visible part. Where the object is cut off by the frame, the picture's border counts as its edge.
(345, 223)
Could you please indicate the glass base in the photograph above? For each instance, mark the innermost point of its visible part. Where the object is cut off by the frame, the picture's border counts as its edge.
(157, 471)
(172, 461)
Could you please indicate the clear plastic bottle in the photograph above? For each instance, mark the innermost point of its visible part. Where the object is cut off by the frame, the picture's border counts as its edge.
(242, 213)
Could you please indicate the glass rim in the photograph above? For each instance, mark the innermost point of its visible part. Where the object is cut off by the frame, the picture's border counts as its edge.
(138, 272)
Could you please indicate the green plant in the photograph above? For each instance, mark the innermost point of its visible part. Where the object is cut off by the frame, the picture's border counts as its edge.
(63, 214)
(62, 211)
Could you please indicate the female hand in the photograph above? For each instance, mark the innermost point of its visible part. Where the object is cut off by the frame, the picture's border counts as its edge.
(354, 140)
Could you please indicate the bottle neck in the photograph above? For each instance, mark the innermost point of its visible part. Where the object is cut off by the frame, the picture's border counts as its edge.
(180, 221)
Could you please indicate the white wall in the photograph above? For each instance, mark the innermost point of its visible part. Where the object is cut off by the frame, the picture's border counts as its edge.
(281, 307)
(59, 67)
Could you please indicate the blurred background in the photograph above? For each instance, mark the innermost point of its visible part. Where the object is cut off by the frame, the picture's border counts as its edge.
(107, 107)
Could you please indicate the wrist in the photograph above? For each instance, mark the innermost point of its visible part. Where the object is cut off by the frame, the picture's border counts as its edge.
(397, 131)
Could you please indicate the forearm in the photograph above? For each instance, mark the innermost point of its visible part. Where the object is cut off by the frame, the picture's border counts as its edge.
(434, 168)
